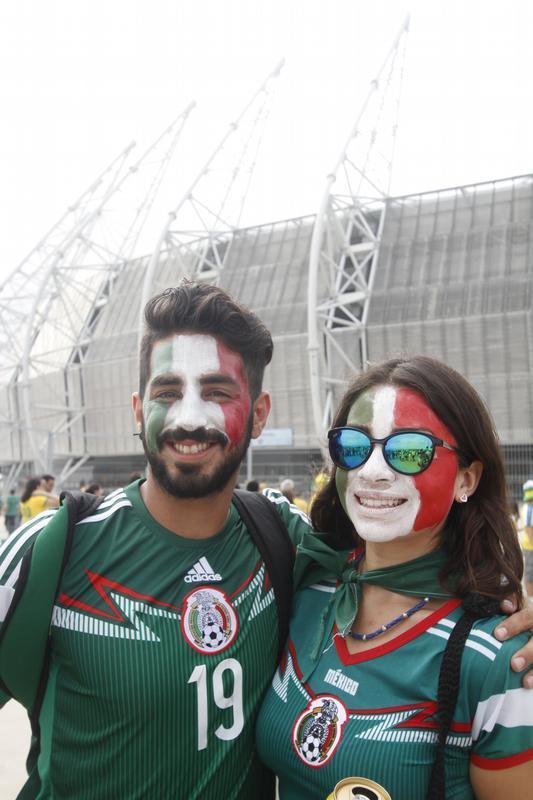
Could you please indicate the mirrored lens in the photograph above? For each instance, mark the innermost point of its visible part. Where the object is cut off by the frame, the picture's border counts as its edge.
(348, 448)
(409, 453)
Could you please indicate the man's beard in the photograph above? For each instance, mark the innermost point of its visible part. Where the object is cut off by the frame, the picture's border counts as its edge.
(189, 483)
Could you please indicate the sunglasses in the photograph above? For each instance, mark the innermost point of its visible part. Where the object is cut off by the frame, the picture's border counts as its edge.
(406, 452)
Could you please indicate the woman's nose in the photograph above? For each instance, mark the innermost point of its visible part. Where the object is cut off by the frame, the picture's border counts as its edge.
(376, 468)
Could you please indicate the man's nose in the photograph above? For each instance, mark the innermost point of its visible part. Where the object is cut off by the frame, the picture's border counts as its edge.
(376, 468)
(189, 412)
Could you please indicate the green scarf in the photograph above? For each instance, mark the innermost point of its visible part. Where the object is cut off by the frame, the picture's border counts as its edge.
(418, 578)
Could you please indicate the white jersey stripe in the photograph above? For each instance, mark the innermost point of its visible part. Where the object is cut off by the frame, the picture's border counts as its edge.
(114, 493)
(469, 643)
(13, 578)
(436, 632)
(110, 499)
(488, 638)
(40, 522)
(510, 709)
(281, 500)
(447, 622)
(123, 503)
(481, 649)
(320, 587)
(6, 596)
(480, 634)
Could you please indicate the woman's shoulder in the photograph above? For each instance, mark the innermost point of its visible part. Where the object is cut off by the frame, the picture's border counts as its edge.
(487, 660)
(486, 626)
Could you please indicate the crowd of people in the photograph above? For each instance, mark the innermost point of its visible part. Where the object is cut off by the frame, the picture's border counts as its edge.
(160, 672)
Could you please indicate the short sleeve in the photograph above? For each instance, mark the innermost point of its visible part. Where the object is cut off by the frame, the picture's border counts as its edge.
(12, 552)
(296, 520)
(502, 728)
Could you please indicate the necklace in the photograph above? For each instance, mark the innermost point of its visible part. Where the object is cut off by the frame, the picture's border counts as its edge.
(363, 637)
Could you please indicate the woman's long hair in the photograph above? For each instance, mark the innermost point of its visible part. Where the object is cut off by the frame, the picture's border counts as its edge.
(479, 536)
(31, 486)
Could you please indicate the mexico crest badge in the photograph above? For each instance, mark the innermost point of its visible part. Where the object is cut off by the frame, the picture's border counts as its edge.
(318, 730)
(209, 622)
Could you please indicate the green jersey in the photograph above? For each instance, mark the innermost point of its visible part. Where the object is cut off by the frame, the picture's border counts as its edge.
(372, 714)
(161, 650)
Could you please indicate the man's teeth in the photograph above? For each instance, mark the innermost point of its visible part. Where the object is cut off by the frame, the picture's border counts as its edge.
(385, 502)
(188, 449)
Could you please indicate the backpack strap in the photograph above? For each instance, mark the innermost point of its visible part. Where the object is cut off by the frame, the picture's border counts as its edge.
(476, 607)
(271, 537)
(24, 643)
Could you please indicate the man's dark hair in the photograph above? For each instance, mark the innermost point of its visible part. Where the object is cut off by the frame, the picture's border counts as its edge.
(47, 478)
(203, 308)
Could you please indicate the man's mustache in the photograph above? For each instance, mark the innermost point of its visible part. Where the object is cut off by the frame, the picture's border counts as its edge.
(200, 435)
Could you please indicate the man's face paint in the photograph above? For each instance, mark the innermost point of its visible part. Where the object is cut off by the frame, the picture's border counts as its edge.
(382, 503)
(196, 383)
(196, 414)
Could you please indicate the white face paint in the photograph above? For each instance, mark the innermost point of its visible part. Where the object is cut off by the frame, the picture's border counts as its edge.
(193, 356)
(381, 503)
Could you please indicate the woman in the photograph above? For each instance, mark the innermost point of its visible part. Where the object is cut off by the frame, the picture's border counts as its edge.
(34, 500)
(418, 485)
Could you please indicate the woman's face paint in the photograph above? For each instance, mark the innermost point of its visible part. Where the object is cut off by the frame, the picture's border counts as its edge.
(196, 383)
(382, 503)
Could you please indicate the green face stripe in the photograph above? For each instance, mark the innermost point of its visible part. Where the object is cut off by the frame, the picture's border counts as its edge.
(161, 359)
(155, 411)
(155, 414)
(341, 479)
(361, 413)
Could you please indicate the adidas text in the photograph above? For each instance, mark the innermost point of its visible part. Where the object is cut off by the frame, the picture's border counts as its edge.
(202, 577)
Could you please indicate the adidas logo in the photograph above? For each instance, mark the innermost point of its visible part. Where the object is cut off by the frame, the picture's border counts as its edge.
(201, 572)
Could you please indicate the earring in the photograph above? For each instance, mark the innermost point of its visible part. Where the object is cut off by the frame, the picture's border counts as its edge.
(463, 498)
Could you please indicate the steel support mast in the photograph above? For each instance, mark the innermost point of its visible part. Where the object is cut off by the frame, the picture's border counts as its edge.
(71, 286)
(198, 231)
(346, 238)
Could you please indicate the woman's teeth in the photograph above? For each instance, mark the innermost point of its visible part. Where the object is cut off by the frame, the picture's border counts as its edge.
(383, 502)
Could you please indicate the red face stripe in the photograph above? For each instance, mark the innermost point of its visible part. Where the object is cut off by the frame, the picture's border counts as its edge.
(236, 411)
(435, 485)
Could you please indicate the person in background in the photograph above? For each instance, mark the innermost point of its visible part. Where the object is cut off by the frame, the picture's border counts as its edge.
(418, 489)
(252, 486)
(47, 483)
(34, 500)
(95, 488)
(11, 511)
(287, 489)
(526, 535)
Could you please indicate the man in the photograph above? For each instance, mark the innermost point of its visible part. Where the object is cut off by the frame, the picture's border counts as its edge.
(288, 489)
(164, 635)
(11, 511)
(47, 483)
(527, 535)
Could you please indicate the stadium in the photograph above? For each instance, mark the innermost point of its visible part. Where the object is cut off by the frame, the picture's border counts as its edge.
(446, 273)
(453, 279)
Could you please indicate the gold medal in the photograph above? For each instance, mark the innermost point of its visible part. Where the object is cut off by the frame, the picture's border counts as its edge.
(358, 789)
